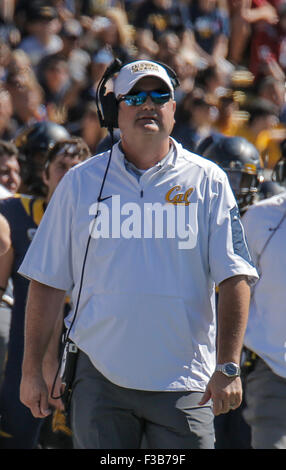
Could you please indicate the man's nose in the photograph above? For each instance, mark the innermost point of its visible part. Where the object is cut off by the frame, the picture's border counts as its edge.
(148, 103)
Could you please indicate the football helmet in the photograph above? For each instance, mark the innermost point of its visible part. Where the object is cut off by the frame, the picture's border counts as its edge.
(270, 188)
(34, 142)
(240, 159)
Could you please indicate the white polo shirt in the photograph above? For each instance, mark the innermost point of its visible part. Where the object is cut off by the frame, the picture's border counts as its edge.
(161, 242)
(266, 329)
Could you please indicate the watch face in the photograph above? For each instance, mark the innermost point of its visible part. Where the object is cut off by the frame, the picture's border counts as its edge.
(231, 369)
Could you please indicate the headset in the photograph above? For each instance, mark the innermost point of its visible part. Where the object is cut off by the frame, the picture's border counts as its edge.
(107, 104)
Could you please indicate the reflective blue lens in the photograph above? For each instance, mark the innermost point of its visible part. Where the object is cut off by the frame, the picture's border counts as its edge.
(158, 97)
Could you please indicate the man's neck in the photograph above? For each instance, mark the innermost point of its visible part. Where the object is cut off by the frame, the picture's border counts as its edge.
(146, 154)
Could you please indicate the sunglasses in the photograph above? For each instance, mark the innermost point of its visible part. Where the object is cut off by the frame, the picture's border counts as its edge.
(136, 99)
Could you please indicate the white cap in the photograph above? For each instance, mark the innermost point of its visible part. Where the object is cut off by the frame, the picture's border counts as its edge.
(131, 73)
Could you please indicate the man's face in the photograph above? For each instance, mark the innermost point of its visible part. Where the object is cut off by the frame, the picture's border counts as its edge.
(57, 169)
(10, 173)
(148, 118)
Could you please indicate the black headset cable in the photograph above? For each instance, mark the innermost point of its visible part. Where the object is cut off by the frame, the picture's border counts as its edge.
(66, 335)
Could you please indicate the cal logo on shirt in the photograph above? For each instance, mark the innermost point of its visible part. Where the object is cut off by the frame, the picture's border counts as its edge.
(176, 196)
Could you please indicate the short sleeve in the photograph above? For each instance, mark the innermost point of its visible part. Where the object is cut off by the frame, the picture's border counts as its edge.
(228, 250)
(49, 259)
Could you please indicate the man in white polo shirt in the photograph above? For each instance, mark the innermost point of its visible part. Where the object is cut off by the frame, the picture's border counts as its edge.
(141, 236)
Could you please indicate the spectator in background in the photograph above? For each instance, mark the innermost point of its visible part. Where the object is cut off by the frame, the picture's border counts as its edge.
(211, 29)
(268, 47)
(146, 47)
(193, 120)
(9, 32)
(263, 117)
(10, 180)
(184, 65)
(113, 37)
(27, 99)
(42, 38)
(244, 16)
(20, 63)
(77, 58)
(114, 34)
(5, 57)
(174, 51)
(55, 79)
(212, 80)
(9, 167)
(161, 16)
(271, 89)
(88, 127)
(227, 122)
(66, 9)
(65, 74)
(8, 125)
(169, 46)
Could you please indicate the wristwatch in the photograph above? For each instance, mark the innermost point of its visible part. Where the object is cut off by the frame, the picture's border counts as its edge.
(230, 369)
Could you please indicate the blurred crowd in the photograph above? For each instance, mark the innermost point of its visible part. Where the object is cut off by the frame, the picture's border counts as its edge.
(229, 56)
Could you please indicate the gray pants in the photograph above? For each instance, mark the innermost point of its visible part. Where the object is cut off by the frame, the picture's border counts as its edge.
(265, 413)
(106, 416)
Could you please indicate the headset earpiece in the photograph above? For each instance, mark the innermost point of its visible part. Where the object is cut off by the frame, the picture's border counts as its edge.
(109, 107)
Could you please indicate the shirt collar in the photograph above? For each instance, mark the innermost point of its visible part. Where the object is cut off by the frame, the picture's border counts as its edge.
(167, 162)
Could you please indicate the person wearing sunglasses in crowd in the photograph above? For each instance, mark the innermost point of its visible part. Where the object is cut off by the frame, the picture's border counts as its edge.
(141, 234)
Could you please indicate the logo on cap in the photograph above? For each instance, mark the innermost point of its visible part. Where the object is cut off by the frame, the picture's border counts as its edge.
(145, 66)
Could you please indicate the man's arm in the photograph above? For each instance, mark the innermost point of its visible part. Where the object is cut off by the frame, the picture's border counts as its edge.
(6, 263)
(44, 304)
(5, 240)
(233, 307)
(51, 363)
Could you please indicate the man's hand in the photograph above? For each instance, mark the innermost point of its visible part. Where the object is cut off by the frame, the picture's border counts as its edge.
(50, 370)
(225, 392)
(39, 331)
(34, 395)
